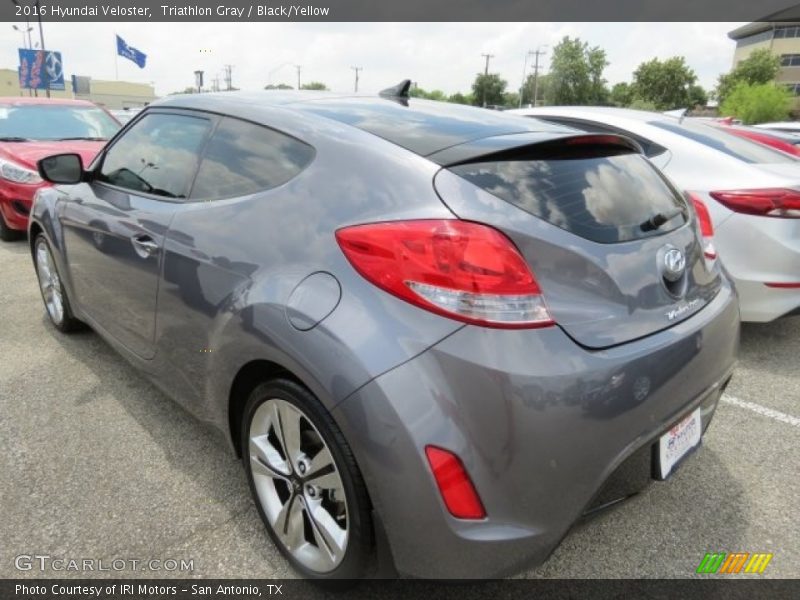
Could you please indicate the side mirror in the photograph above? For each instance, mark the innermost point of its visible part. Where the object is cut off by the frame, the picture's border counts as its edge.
(61, 168)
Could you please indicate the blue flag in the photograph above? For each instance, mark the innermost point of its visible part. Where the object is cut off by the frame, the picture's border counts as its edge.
(131, 53)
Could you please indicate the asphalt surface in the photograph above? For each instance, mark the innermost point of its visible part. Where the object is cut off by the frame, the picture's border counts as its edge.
(97, 463)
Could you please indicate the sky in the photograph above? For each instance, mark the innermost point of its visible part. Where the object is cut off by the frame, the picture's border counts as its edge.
(443, 56)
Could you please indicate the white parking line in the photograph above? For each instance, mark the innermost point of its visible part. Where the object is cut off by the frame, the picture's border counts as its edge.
(762, 410)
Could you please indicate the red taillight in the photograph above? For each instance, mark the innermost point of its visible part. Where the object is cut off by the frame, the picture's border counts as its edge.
(454, 484)
(765, 202)
(706, 226)
(466, 271)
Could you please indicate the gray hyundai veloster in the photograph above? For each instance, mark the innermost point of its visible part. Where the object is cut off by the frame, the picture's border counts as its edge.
(437, 330)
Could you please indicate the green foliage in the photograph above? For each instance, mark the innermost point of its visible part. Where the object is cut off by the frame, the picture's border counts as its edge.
(314, 85)
(664, 84)
(488, 89)
(418, 92)
(760, 67)
(280, 86)
(639, 104)
(621, 94)
(697, 96)
(758, 103)
(459, 98)
(576, 74)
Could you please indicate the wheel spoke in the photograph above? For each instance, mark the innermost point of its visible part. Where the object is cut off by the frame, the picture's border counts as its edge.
(266, 459)
(290, 431)
(327, 533)
(323, 472)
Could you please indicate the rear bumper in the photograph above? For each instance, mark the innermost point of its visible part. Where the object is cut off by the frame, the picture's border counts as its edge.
(15, 204)
(757, 251)
(540, 424)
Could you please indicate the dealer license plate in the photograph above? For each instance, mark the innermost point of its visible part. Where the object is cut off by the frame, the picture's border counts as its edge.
(679, 441)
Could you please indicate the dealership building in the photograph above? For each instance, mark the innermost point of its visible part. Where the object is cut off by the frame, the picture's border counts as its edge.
(779, 37)
(110, 94)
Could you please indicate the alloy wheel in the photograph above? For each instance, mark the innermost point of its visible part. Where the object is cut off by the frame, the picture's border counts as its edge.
(299, 485)
(49, 283)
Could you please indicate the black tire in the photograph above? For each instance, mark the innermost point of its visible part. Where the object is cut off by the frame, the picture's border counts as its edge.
(360, 528)
(6, 233)
(68, 322)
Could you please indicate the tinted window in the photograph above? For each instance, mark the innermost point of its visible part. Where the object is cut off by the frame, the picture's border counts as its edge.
(601, 198)
(158, 155)
(650, 149)
(732, 145)
(243, 158)
(55, 122)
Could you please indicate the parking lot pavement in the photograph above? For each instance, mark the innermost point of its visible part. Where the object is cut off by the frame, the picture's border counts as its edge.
(97, 463)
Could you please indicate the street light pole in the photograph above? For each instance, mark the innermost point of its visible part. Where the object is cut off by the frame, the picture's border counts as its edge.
(357, 69)
(298, 67)
(41, 38)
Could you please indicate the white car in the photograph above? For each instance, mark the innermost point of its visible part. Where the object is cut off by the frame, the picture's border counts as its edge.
(787, 126)
(751, 193)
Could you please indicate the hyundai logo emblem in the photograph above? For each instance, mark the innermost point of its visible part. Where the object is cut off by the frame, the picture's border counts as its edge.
(674, 264)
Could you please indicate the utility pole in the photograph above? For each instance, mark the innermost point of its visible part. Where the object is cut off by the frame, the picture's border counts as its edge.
(538, 52)
(299, 68)
(524, 72)
(486, 74)
(228, 77)
(357, 69)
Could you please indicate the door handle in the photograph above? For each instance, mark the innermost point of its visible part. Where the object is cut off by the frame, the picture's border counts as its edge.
(144, 245)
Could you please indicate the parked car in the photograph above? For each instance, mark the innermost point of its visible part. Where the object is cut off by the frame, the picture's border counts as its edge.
(32, 128)
(752, 194)
(788, 126)
(443, 330)
(779, 140)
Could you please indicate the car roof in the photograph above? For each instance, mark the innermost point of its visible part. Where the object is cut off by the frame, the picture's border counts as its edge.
(421, 126)
(32, 100)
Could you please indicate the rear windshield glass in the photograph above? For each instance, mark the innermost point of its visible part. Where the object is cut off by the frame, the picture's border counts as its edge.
(605, 199)
(732, 145)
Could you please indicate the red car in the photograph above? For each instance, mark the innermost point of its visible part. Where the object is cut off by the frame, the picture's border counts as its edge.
(32, 128)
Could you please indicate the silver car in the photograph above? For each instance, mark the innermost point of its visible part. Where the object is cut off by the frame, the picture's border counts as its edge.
(751, 192)
(435, 330)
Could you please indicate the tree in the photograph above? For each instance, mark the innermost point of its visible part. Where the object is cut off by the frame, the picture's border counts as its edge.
(760, 67)
(697, 96)
(488, 89)
(665, 84)
(576, 74)
(418, 92)
(621, 94)
(459, 98)
(757, 103)
(314, 85)
(639, 104)
(280, 86)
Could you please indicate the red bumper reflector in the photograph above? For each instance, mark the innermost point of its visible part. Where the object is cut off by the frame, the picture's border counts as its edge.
(454, 484)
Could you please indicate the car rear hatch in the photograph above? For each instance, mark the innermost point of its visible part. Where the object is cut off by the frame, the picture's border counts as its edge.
(602, 230)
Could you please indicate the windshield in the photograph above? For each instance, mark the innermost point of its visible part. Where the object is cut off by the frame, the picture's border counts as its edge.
(732, 145)
(55, 122)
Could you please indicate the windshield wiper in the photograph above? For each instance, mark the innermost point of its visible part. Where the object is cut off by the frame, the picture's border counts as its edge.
(86, 138)
(14, 138)
(658, 219)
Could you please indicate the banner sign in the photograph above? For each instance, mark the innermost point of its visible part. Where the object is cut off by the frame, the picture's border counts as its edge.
(40, 70)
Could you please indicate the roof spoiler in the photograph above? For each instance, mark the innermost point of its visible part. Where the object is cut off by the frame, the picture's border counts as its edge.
(397, 91)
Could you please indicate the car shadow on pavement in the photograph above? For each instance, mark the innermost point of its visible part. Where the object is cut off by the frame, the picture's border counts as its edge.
(773, 346)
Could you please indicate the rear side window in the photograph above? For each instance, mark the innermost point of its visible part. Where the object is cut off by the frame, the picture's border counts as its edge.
(732, 145)
(157, 156)
(242, 158)
(605, 199)
(650, 148)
